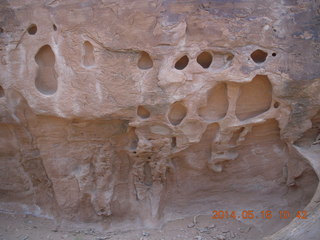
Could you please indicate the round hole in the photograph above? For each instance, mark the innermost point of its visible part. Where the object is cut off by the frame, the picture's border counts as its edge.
(259, 56)
(54, 27)
(274, 54)
(182, 63)
(276, 104)
(204, 59)
(32, 29)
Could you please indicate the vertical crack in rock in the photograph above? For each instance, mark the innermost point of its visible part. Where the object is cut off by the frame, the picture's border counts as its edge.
(1, 92)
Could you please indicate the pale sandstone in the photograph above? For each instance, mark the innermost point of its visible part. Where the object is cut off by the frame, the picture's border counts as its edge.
(141, 112)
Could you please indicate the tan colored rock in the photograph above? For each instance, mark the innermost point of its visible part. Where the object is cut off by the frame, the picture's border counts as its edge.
(142, 112)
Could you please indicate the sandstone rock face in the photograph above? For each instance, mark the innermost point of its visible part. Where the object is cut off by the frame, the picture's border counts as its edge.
(139, 112)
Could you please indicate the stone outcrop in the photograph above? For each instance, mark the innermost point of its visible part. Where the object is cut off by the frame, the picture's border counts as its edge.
(140, 112)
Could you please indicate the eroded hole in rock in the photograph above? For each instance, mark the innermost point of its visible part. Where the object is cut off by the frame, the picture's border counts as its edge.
(311, 138)
(54, 27)
(46, 80)
(276, 104)
(132, 140)
(143, 112)
(173, 142)
(88, 54)
(182, 63)
(204, 59)
(255, 97)
(177, 113)
(147, 174)
(259, 56)
(87, 158)
(230, 56)
(1, 92)
(1, 30)
(217, 103)
(145, 62)
(32, 29)
(274, 54)
(255, 179)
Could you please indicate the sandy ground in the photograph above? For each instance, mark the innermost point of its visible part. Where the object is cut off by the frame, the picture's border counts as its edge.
(17, 227)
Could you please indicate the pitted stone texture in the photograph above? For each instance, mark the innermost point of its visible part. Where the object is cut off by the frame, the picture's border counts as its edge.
(146, 111)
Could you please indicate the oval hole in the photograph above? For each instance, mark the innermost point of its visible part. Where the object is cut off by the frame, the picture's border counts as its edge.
(88, 56)
(143, 112)
(259, 56)
(177, 113)
(182, 63)
(204, 59)
(46, 80)
(145, 61)
(54, 27)
(32, 29)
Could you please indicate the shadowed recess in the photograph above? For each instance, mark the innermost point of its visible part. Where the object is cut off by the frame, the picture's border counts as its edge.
(259, 56)
(1, 92)
(143, 112)
(88, 56)
(32, 29)
(255, 97)
(217, 103)
(182, 63)
(46, 79)
(177, 113)
(204, 59)
(145, 61)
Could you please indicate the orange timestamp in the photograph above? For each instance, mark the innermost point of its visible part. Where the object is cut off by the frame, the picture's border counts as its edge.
(251, 214)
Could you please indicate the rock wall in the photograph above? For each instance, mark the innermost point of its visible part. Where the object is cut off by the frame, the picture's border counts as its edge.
(139, 112)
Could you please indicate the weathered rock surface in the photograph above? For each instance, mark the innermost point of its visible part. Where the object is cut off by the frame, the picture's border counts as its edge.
(139, 112)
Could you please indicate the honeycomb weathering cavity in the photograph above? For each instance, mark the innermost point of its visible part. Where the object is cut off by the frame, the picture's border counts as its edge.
(254, 98)
(46, 79)
(127, 116)
(88, 55)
